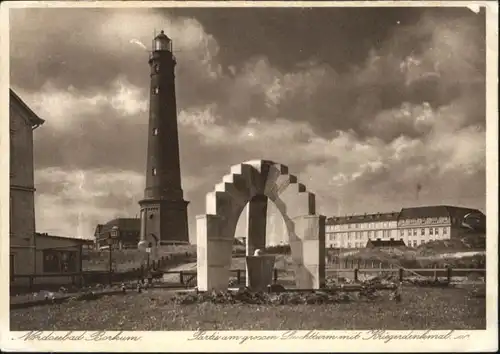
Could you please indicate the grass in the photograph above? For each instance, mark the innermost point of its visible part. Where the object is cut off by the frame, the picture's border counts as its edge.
(420, 308)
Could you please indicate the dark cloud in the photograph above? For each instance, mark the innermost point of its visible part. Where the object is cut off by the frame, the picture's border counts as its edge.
(362, 104)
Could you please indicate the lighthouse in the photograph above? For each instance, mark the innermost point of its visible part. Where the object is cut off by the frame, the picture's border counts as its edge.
(163, 209)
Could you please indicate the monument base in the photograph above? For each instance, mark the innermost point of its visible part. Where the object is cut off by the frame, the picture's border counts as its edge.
(260, 272)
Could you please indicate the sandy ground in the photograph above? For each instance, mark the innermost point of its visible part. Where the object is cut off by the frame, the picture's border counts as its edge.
(172, 278)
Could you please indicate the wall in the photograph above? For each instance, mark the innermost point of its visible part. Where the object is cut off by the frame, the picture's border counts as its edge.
(393, 229)
(22, 209)
(356, 235)
(150, 215)
(422, 228)
(62, 244)
(22, 149)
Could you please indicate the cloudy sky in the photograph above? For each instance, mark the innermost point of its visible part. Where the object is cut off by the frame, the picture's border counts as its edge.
(373, 109)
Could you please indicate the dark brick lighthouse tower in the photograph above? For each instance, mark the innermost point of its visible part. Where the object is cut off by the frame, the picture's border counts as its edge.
(163, 209)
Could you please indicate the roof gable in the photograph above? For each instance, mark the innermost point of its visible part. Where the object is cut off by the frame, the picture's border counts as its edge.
(432, 211)
(31, 117)
(124, 224)
(363, 218)
(80, 240)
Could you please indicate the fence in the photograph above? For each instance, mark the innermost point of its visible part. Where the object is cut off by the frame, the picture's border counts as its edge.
(187, 278)
(402, 273)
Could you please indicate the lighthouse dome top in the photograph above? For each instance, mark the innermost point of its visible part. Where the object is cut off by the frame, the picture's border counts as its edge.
(162, 42)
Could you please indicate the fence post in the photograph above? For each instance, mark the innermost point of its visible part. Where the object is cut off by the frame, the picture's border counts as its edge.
(141, 275)
(401, 274)
(181, 277)
(356, 270)
(448, 273)
(238, 276)
(275, 275)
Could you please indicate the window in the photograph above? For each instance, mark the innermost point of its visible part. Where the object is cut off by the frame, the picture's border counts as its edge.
(436, 231)
(422, 232)
(402, 232)
(154, 171)
(59, 261)
(156, 90)
(414, 232)
(157, 68)
(445, 230)
(155, 131)
(431, 231)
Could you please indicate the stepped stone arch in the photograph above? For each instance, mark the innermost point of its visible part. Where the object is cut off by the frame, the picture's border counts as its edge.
(254, 182)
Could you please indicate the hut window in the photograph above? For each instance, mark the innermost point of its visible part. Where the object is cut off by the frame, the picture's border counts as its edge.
(55, 261)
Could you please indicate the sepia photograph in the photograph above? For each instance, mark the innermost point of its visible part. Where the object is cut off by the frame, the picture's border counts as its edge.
(288, 169)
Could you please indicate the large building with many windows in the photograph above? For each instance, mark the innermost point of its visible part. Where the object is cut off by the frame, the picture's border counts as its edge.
(355, 231)
(413, 226)
(423, 224)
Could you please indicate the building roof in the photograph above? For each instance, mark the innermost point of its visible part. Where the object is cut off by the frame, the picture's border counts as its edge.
(387, 243)
(82, 240)
(124, 224)
(336, 220)
(34, 119)
(431, 211)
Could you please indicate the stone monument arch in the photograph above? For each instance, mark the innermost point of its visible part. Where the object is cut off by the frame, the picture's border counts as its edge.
(254, 182)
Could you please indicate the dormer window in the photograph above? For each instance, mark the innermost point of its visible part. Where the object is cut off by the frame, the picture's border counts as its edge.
(155, 131)
(154, 171)
(156, 90)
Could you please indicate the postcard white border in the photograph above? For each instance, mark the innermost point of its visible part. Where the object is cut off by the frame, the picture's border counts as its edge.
(479, 340)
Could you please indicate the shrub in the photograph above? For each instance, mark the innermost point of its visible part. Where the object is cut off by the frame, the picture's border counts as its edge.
(279, 249)
(245, 296)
